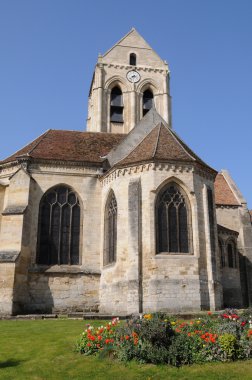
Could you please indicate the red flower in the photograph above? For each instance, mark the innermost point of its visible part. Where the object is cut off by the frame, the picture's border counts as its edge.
(127, 337)
(209, 313)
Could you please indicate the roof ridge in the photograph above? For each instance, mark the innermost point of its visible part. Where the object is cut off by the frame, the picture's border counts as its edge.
(13, 154)
(177, 138)
(155, 148)
(230, 187)
(136, 146)
(39, 141)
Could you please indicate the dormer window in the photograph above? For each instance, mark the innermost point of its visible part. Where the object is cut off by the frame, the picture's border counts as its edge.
(147, 101)
(116, 105)
(132, 59)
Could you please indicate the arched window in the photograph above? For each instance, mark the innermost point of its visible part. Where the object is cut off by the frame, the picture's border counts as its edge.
(172, 216)
(59, 227)
(116, 105)
(231, 254)
(132, 61)
(110, 230)
(147, 101)
(221, 253)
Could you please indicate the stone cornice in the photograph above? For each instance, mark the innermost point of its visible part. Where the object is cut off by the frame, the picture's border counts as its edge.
(138, 68)
(57, 167)
(228, 206)
(142, 167)
(175, 167)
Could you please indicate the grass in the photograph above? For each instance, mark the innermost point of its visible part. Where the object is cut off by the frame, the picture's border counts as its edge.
(44, 350)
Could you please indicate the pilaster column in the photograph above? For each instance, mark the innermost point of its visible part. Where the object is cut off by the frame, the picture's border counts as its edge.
(99, 97)
(134, 276)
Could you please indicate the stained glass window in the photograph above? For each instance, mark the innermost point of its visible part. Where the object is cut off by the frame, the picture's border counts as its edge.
(172, 221)
(59, 227)
(110, 230)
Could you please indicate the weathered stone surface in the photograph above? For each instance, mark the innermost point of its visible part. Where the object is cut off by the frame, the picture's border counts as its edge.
(8, 256)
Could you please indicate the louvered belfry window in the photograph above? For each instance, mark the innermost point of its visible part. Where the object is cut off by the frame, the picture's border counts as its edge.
(110, 230)
(59, 227)
(116, 105)
(147, 101)
(172, 221)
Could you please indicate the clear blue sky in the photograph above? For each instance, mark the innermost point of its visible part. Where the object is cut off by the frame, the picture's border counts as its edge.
(49, 49)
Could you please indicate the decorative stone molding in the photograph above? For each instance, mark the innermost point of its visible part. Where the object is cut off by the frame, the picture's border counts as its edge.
(61, 167)
(228, 206)
(162, 166)
(139, 68)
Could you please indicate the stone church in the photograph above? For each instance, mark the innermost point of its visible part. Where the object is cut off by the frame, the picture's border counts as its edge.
(124, 217)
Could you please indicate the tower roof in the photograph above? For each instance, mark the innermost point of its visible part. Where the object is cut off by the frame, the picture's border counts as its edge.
(135, 42)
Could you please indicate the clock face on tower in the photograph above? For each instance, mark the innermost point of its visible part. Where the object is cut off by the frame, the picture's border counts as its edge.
(133, 76)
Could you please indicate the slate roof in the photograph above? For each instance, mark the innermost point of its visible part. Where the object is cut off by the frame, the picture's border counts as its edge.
(161, 144)
(223, 193)
(69, 146)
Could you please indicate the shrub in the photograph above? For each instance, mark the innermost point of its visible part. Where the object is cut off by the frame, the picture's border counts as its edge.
(228, 345)
(183, 350)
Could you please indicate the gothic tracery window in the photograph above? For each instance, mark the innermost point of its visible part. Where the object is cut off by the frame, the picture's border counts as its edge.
(110, 230)
(116, 105)
(59, 227)
(172, 221)
(147, 101)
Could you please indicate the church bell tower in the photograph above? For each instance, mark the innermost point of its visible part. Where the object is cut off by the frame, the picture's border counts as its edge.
(129, 79)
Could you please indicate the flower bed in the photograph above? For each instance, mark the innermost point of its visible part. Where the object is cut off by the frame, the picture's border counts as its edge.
(158, 338)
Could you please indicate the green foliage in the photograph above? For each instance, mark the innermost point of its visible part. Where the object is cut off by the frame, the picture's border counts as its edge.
(228, 344)
(183, 350)
(146, 340)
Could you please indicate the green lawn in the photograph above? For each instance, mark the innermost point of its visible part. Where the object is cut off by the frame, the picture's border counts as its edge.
(44, 349)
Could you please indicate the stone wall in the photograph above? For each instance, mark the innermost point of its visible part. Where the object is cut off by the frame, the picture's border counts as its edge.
(169, 282)
(238, 219)
(60, 292)
(27, 286)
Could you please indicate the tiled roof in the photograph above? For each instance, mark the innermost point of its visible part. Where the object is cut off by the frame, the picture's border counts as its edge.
(69, 146)
(161, 144)
(223, 192)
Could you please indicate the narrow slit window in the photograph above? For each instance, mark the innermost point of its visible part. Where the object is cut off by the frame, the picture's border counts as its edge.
(133, 59)
(231, 255)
